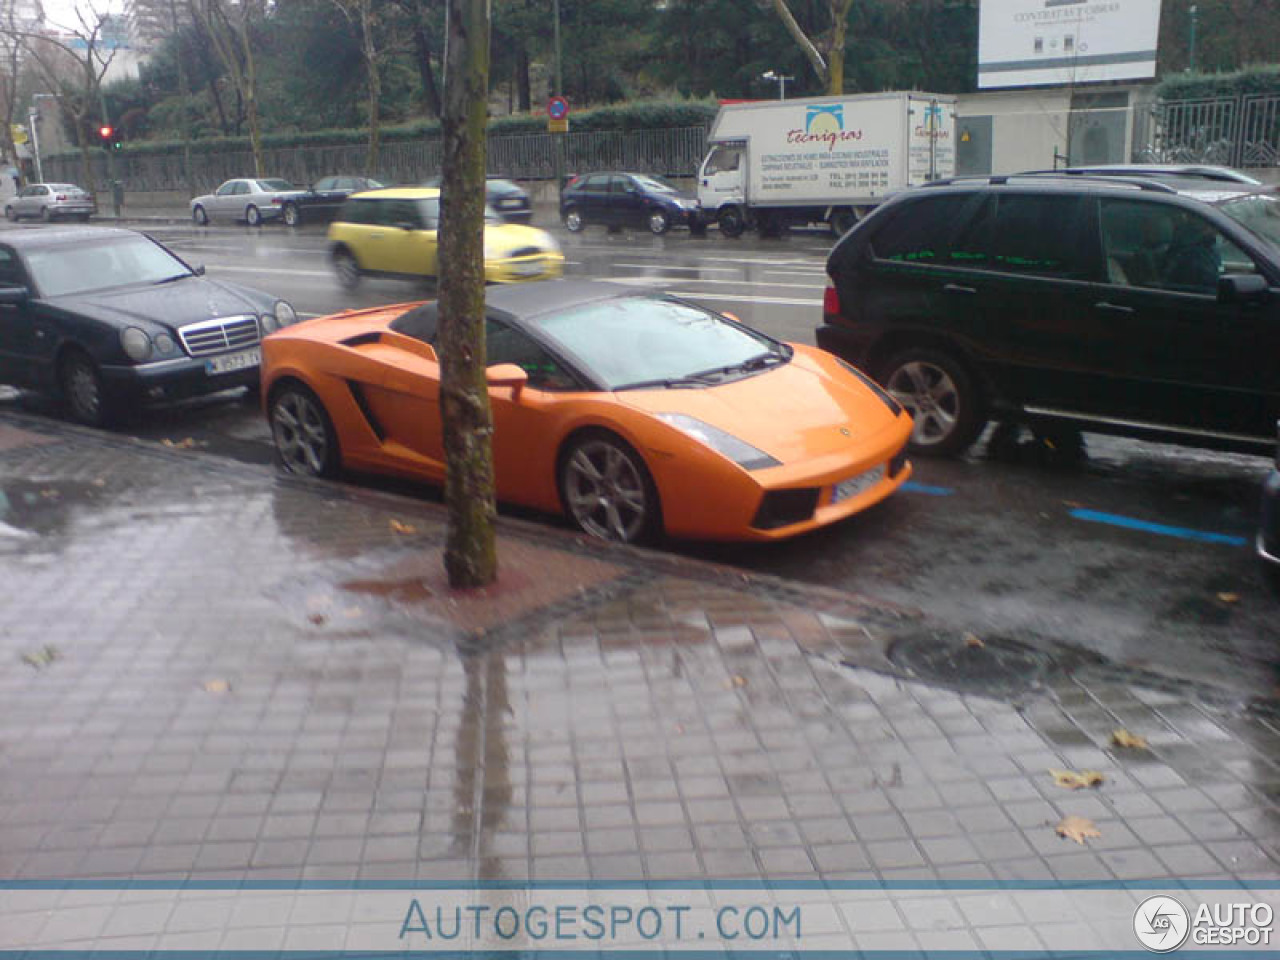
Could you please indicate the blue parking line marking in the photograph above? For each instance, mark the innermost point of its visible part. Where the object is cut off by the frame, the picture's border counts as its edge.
(1116, 520)
(912, 487)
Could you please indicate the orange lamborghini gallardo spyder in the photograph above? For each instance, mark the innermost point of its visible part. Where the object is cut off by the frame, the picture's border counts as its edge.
(633, 414)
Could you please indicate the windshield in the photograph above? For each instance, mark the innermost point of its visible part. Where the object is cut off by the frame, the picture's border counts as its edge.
(101, 264)
(276, 185)
(656, 183)
(1259, 213)
(633, 340)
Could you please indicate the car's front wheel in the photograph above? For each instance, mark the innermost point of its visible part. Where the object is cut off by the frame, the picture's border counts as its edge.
(252, 216)
(659, 222)
(82, 393)
(290, 214)
(304, 436)
(606, 489)
(348, 271)
(573, 220)
(941, 397)
(199, 216)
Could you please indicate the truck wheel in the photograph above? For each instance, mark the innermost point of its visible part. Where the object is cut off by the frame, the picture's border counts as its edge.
(842, 221)
(731, 222)
(941, 396)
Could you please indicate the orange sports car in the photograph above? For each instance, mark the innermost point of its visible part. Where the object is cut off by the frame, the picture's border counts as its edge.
(633, 414)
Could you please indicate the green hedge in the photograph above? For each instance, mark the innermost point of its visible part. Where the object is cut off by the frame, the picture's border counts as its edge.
(642, 115)
(1203, 86)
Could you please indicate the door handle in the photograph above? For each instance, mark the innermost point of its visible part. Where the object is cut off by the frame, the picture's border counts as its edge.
(1112, 307)
(957, 288)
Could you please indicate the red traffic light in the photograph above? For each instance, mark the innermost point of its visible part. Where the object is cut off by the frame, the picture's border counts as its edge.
(105, 132)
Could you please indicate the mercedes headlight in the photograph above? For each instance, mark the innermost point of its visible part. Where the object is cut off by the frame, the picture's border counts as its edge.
(285, 314)
(136, 343)
(165, 344)
(725, 444)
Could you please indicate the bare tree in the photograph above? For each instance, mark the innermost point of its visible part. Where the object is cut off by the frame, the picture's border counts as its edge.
(74, 68)
(229, 26)
(470, 554)
(11, 56)
(825, 49)
(363, 15)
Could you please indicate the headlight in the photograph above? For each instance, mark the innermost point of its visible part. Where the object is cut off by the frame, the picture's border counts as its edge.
(268, 322)
(164, 344)
(885, 396)
(725, 444)
(136, 343)
(285, 314)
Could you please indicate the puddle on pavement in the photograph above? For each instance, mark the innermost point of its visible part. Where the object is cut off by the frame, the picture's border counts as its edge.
(31, 508)
(411, 590)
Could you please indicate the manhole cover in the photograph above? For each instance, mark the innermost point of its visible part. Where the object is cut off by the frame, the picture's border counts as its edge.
(995, 667)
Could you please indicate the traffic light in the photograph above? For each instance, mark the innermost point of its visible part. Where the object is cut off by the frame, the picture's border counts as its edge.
(106, 132)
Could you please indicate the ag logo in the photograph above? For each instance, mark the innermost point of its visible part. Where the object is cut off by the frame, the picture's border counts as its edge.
(824, 118)
(1161, 924)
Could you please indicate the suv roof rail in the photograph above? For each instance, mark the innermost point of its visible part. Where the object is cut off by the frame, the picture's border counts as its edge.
(1141, 182)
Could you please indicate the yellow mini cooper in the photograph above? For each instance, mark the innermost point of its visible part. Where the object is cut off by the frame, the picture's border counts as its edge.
(392, 233)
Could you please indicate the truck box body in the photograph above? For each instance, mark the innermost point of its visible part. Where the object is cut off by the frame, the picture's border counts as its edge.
(817, 155)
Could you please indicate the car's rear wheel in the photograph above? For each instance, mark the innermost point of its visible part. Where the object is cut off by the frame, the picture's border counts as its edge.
(304, 436)
(347, 269)
(83, 396)
(252, 215)
(659, 222)
(291, 215)
(731, 222)
(199, 216)
(842, 220)
(941, 396)
(606, 489)
(573, 220)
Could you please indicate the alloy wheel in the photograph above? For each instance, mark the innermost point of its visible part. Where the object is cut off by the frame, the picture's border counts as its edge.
(605, 491)
(301, 433)
(930, 396)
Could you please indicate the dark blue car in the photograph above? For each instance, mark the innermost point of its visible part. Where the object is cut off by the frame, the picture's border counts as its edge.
(639, 200)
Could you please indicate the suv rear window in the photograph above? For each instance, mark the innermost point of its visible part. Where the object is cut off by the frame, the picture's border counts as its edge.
(921, 230)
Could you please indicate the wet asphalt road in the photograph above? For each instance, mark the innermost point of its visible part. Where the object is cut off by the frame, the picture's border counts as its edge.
(1140, 553)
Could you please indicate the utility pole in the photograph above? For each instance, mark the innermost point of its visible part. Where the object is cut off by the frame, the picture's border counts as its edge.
(1193, 13)
(109, 146)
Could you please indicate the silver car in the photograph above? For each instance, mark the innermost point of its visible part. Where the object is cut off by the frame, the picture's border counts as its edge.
(250, 200)
(49, 201)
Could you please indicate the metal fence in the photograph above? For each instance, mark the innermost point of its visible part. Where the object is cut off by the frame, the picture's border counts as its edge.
(1242, 131)
(671, 152)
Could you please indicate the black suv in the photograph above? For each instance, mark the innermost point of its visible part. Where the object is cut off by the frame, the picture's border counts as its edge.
(1133, 306)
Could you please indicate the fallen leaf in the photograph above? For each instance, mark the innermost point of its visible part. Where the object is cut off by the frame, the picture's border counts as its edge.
(405, 528)
(50, 494)
(317, 618)
(1131, 741)
(1077, 828)
(217, 686)
(1227, 597)
(39, 659)
(186, 443)
(973, 640)
(1077, 781)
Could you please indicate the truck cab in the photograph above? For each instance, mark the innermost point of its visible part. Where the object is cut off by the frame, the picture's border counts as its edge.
(721, 181)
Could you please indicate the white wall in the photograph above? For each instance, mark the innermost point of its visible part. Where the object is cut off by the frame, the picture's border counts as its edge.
(1027, 126)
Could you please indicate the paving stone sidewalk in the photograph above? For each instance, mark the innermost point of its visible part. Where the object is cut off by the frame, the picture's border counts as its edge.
(211, 671)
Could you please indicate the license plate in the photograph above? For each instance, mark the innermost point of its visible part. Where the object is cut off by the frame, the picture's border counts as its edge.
(231, 362)
(531, 269)
(859, 484)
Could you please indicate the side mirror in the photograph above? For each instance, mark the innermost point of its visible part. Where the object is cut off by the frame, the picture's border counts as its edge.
(12, 296)
(507, 375)
(1242, 288)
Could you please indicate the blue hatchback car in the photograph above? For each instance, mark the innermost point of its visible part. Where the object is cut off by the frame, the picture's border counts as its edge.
(640, 200)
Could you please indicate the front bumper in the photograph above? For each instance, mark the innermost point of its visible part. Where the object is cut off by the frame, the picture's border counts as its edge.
(169, 380)
(545, 266)
(71, 209)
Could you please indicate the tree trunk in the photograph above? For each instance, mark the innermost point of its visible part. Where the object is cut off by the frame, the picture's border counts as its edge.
(524, 95)
(470, 554)
(430, 95)
(835, 57)
(375, 92)
(251, 101)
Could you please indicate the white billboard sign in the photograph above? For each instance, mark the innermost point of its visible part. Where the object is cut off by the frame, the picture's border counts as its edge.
(1062, 42)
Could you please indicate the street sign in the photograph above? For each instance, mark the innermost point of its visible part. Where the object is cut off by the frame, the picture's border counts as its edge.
(19, 133)
(560, 125)
(558, 108)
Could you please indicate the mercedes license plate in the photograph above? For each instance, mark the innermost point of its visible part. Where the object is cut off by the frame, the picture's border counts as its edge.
(231, 362)
(859, 484)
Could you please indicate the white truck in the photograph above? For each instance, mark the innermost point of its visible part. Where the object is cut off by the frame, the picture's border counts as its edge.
(774, 163)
